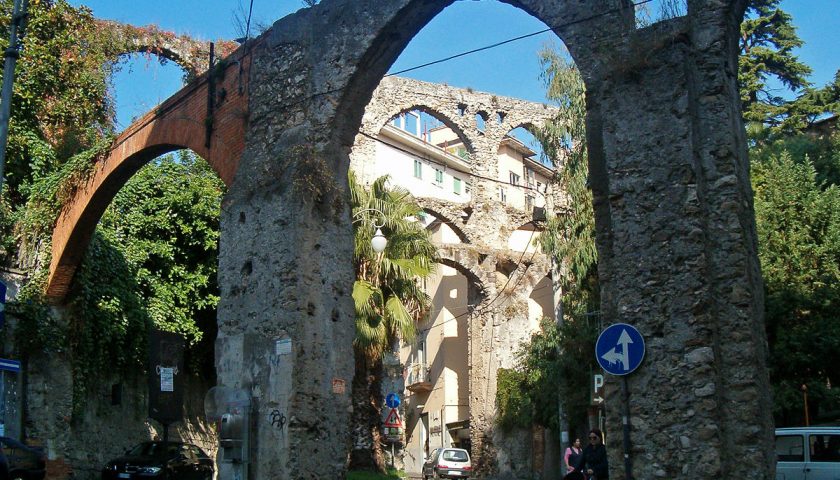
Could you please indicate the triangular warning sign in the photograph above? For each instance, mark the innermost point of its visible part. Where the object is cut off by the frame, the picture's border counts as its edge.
(393, 420)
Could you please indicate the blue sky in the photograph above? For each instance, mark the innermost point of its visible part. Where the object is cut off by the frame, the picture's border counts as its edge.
(511, 70)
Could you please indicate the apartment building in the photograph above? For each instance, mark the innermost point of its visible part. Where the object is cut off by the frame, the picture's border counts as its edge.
(481, 204)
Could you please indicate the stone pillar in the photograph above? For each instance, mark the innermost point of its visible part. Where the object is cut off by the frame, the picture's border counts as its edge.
(285, 329)
(677, 248)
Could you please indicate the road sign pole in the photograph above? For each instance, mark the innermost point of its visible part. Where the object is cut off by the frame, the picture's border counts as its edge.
(625, 420)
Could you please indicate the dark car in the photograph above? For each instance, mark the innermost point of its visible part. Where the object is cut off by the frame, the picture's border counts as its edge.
(174, 460)
(25, 462)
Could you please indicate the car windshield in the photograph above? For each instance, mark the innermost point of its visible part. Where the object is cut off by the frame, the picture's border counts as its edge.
(154, 449)
(455, 456)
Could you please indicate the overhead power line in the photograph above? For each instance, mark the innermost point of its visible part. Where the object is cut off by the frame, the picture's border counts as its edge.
(476, 50)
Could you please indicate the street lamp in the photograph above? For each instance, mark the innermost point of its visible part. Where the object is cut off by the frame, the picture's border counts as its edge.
(378, 242)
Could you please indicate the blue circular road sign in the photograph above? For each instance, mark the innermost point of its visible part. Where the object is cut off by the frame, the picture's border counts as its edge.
(620, 349)
(392, 400)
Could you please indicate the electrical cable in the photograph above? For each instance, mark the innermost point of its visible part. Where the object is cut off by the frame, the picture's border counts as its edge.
(415, 155)
(476, 50)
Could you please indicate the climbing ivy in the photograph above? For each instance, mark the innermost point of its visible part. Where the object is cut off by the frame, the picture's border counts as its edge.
(152, 260)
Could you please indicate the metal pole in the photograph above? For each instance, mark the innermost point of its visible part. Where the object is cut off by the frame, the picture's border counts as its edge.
(11, 54)
(625, 420)
(805, 402)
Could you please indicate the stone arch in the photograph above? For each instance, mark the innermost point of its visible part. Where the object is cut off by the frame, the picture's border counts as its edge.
(467, 265)
(449, 223)
(178, 123)
(678, 80)
(402, 22)
(438, 115)
(190, 54)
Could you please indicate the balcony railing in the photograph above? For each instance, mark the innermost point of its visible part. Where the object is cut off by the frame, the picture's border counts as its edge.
(418, 378)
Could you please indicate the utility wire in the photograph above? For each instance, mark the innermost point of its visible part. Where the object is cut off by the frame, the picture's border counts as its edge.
(476, 50)
(471, 174)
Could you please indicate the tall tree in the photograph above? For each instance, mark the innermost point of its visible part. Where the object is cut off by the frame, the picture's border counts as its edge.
(767, 61)
(799, 248)
(388, 298)
(570, 236)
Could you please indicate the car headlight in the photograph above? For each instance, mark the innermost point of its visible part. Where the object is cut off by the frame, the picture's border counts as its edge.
(148, 470)
(111, 466)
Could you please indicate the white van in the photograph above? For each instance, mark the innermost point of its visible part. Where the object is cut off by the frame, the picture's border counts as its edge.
(808, 453)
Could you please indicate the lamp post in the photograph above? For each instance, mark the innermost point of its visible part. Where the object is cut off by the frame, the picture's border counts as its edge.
(378, 242)
(805, 403)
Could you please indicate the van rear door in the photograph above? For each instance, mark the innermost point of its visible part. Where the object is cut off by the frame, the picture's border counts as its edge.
(823, 457)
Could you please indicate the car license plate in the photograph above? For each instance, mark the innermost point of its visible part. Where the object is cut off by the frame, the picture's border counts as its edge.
(454, 472)
(123, 475)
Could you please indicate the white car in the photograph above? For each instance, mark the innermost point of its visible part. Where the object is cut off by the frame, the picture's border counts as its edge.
(447, 463)
(808, 453)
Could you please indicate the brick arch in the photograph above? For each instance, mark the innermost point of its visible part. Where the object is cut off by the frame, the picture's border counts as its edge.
(178, 123)
(190, 54)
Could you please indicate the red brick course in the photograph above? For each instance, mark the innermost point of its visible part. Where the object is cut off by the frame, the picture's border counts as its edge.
(178, 123)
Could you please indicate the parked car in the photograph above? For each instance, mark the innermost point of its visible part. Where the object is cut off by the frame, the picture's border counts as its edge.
(808, 453)
(447, 463)
(25, 462)
(176, 460)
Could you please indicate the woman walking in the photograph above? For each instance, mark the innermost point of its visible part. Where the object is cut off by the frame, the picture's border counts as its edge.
(572, 455)
(593, 460)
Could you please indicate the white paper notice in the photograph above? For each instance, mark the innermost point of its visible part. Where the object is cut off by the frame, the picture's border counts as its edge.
(283, 346)
(167, 379)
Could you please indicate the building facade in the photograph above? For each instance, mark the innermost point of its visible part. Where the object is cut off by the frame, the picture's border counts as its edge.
(480, 188)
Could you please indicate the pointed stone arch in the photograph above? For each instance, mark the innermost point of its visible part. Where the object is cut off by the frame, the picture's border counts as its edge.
(671, 195)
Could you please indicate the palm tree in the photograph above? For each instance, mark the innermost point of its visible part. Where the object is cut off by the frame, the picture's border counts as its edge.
(388, 298)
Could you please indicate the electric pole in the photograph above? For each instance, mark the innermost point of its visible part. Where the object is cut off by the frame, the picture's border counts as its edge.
(12, 53)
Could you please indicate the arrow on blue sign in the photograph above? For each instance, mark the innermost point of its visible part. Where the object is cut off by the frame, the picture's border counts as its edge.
(620, 349)
(392, 400)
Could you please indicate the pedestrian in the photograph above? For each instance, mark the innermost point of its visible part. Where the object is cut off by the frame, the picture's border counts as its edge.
(572, 455)
(593, 460)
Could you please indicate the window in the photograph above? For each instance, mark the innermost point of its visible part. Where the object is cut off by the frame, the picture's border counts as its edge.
(502, 194)
(530, 177)
(418, 169)
(789, 448)
(824, 448)
(514, 179)
(456, 185)
(455, 456)
(439, 177)
(539, 187)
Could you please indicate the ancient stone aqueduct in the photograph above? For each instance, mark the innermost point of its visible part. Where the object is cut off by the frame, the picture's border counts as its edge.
(669, 172)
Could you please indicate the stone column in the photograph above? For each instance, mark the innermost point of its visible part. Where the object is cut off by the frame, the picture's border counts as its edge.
(677, 248)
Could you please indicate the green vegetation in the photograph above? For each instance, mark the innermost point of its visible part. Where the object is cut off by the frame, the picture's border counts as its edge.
(768, 39)
(152, 260)
(389, 300)
(390, 474)
(797, 209)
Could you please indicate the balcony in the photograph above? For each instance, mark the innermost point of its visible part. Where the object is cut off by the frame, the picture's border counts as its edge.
(418, 378)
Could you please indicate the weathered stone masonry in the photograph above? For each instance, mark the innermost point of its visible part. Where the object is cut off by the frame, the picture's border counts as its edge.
(676, 234)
